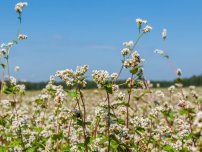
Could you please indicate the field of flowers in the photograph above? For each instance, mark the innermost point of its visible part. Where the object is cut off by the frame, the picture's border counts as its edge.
(108, 119)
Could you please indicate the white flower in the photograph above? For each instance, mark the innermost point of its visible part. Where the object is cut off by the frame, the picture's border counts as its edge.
(129, 45)
(164, 34)
(114, 76)
(100, 76)
(125, 51)
(179, 72)
(19, 6)
(13, 80)
(139, 22)
(22, 37)
(17, 68)
(147, 29)
(161, 52)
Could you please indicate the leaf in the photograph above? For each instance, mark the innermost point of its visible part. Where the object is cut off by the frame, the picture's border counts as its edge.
(8, 89)
(73, 94)
(114, 144)
(134, 70)
(169, 148)
(108, 88)
(57, 136)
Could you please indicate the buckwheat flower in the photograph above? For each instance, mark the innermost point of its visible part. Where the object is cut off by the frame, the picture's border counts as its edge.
(17, 68)
(22, 37)
(125, 51)
(192, 87)
(132, 62)
(13, 80)
(114, 76)
(139, 22)
(198, 120)
(164, 34)
(115, 88)
(171, 88)
(129, 45)
(178, 72)
(147, 29)
(130, 82)
(100, 76)
(120, 96)
(161, 52)
(20, 88)
(52, 78)
(19, 6)
(81, 70)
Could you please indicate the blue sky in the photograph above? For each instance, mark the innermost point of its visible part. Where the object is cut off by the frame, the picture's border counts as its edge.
(66, 33)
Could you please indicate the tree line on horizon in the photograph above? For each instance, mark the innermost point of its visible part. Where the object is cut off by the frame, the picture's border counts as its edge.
(194, 80)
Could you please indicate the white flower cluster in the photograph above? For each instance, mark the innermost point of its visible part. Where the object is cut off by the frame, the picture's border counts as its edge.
(22, 37)
(19, 6)
(100, 77)
(140, 21)
(147, 29)
(134, 61)
(130, 82)
(164, 34)
(114, 76)
(178, 72)
(5, 49)
(72, 78)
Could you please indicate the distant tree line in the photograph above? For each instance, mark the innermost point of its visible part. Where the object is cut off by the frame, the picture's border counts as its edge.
(194, 80)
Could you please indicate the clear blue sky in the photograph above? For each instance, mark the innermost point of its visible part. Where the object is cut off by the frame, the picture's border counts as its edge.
(66, 33)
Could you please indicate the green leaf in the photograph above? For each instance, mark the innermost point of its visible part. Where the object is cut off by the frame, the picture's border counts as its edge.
(114, 145)
(134, 70)
(169, 148)
(57, 136)
(108, 88)
(7, 89)
(73, 94)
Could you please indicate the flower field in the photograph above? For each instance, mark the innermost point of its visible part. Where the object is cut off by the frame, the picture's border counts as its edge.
(107, 119)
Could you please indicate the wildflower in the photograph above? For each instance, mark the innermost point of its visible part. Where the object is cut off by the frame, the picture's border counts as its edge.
(164, 34)
(161, 52)
(129, 45)
(139, 22)
(22, 37)
(171, 88)
(147, 29)
(120, 96)
(198, 120)
(134, 61)
(20, 88)
(13, 80)
(130, 82)
(125, 51)
(115, 88)
(19, 6)
(17, 68)
(179, 72)
(100, 76)
(114, 76)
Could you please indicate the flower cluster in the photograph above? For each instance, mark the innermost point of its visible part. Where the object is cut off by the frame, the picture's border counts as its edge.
(19, 6)
(100, 77)
(72, 78)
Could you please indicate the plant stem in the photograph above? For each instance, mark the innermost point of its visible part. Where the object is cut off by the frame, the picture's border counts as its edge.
(108, 124)
(129, 98)
(84, 118)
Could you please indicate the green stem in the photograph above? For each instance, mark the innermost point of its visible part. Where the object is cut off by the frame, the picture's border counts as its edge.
(108, 124)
